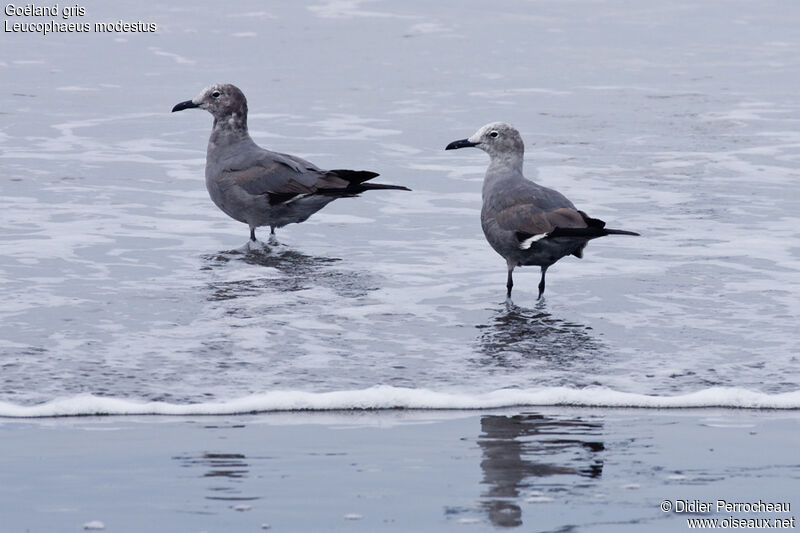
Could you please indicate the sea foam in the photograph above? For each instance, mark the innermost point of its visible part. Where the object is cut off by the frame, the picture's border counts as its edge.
(386, 397)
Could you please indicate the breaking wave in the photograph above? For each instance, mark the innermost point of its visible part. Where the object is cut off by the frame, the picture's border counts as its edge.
(386, 397)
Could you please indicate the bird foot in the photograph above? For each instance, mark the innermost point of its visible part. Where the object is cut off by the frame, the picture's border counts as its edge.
(255, 246)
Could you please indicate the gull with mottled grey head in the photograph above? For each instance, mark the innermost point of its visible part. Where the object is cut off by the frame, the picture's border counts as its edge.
(260, 187)
(524, 222)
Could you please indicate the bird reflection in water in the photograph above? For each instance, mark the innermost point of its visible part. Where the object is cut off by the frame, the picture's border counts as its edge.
(228, 470)
(515, 335)
(289, 271)
(520, 452)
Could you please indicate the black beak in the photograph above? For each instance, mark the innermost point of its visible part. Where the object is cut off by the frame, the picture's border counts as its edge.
(188, 104)
(463, 143)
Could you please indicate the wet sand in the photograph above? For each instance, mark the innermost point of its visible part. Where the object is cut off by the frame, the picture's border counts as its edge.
(548, 469)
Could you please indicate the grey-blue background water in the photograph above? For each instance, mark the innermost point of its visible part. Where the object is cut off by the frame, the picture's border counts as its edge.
(679, 120)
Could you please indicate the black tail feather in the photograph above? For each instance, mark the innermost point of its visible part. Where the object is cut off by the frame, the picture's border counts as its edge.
(371, 186)
(621, 232)
(354, 189)
(587, 233)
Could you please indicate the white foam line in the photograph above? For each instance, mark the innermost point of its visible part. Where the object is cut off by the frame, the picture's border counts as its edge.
(385, 397)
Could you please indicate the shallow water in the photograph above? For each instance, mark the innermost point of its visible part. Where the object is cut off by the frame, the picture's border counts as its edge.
(121, 279)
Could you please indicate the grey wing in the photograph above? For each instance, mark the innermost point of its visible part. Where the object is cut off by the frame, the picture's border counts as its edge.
(529, 224)
(292, 161)
(529, 219)
(282, 177)
(529, 208)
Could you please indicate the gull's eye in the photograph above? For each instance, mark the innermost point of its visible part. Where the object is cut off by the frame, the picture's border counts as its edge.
(215, 94)
(493, 134)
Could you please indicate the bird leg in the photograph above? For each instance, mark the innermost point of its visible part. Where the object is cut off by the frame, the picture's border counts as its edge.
(253, 233)
(510, 282)
(541, 283)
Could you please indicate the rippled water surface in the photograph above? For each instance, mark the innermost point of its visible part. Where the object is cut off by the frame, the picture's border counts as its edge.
(680, 121)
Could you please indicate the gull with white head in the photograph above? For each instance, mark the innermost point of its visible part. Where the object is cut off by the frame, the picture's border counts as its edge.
(524, 222)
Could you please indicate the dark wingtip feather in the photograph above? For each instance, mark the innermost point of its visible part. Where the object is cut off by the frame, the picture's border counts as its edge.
(354, 176)
(592, 222)
(356, 181)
